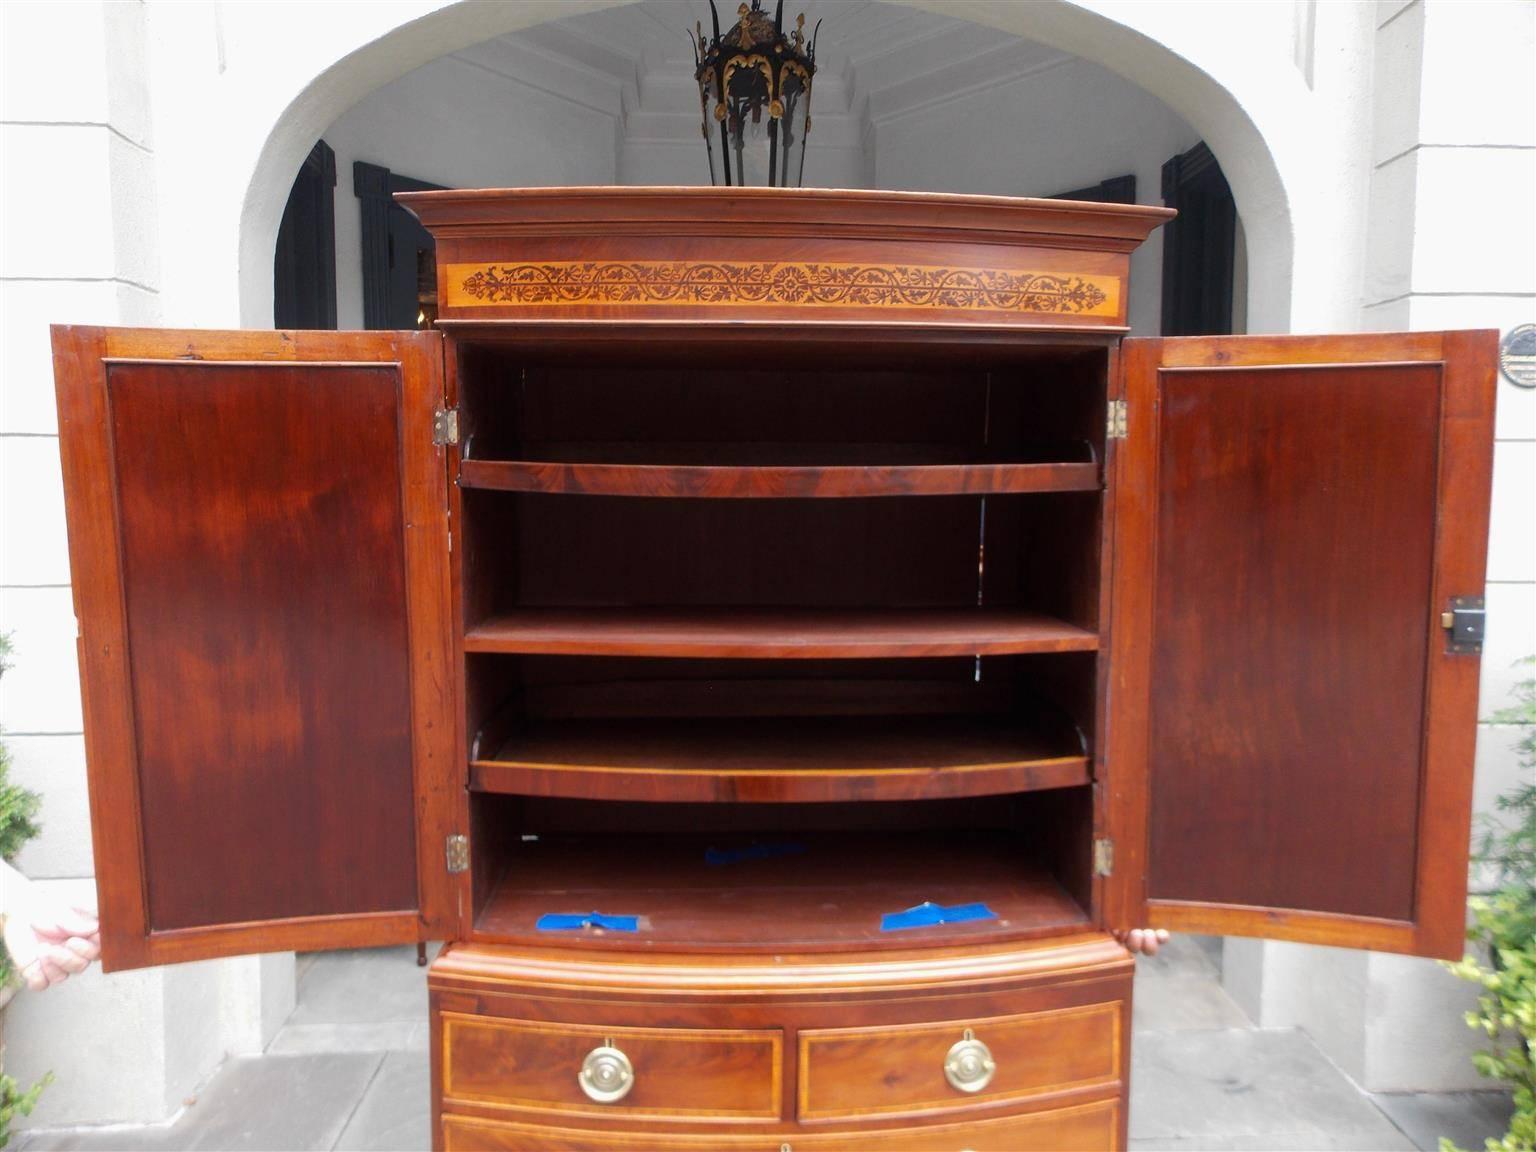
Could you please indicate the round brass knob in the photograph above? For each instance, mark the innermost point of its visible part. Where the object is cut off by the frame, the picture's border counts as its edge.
(969, 1065)
(606, 1074)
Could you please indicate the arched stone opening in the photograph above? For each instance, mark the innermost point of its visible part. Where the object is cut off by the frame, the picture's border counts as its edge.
(1231, 113)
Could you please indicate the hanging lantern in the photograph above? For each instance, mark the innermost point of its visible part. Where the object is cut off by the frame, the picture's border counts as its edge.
(755, 97)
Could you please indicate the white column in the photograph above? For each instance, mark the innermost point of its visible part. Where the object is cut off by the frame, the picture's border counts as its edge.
(78, 203)
(1450, 245)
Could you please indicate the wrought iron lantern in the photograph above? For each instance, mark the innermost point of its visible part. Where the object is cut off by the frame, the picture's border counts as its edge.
(755, 97)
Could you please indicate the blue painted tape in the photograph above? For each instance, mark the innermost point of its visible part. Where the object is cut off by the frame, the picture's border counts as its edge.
(574, 921)
(927, 914)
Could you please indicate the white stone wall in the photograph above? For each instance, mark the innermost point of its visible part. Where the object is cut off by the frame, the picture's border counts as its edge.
(1065, 125)
(485, 117)
(1451, 244)
(1455, 164)
(78, 243)
(1381, 157)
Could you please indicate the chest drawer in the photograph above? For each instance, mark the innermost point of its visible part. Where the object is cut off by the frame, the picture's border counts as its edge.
(1083, 1128)
(658, 1073)
(851, 1073)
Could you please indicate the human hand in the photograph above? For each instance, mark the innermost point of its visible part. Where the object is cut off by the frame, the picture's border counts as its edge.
(1146, 940)
(48, 941)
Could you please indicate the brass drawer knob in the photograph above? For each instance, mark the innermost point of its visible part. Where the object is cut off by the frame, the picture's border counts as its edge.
(969, 1065)
(606, 1074)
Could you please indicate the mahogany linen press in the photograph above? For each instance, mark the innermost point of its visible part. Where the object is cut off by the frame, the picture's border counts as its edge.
(776, 637)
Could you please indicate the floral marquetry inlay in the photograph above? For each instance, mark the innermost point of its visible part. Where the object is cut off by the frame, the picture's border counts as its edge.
(648, 283)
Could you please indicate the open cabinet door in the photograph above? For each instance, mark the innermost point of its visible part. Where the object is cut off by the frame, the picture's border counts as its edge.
(258, 547)
(1292, 716)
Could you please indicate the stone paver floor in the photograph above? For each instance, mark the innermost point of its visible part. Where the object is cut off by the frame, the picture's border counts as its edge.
(349, 1071)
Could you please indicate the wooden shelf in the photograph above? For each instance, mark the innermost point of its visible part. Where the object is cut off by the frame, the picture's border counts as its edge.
(828, 897)
(780, 759)
(776, 633)
(776, 482)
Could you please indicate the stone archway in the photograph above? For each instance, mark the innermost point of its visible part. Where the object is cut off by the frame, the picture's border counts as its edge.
(1252, 113)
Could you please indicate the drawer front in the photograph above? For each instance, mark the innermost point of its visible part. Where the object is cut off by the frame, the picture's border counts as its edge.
(849, 1073)
(677, 1073)
(1084, 1128)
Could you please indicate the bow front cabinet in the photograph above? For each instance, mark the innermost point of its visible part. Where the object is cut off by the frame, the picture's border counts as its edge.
(777, 638)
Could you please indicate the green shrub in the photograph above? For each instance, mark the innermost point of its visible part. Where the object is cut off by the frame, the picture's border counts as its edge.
(14, 1102)
(18, 812)
(1504, 923)
(18, 824)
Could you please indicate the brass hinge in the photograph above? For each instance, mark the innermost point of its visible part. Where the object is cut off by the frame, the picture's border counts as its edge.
(458, 853)
(1103, 857)
(445, 426)
(1114, 427)
(1464, 624)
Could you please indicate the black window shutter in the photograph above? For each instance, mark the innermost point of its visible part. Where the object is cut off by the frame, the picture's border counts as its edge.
(1198, 246)
(304, 265)
(398, 253)
(1115, 190)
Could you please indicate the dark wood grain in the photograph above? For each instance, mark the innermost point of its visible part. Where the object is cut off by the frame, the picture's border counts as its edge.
(846, 343)
(780, 759)
(797, 408)
(726, 482)
(568, 980)
(1301, 524)
(466, 888)
(434, 627)
(671, 403)
(249, 683)
(532, 1066)
(1101, 809)
(616, 551)
(877, 429)
(227, 497)
(833, 212)
(558, 687)
(875, 237)
(1290, 656)
(561, 818)
(890, 1070)
(669, 605)
(776, 633)
(1452, 679)
(1130, 492)
(840, 1006)
(829, 897)
(785, 732)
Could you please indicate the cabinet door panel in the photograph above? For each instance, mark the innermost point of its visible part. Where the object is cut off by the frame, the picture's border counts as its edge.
(258, 547)
(1292, 738)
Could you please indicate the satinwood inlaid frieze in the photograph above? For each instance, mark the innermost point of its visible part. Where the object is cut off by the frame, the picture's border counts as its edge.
(780, 283)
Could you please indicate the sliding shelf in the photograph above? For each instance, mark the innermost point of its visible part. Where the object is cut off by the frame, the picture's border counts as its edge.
(812, 892)
(780, 759)
(776, 482)
(776, 633)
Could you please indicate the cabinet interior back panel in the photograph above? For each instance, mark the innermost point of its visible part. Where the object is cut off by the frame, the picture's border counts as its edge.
(601, 550)
(1295, 541)
(266, 634)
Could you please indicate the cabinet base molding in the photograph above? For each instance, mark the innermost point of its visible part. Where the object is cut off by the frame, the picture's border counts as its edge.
(1009, 1046)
